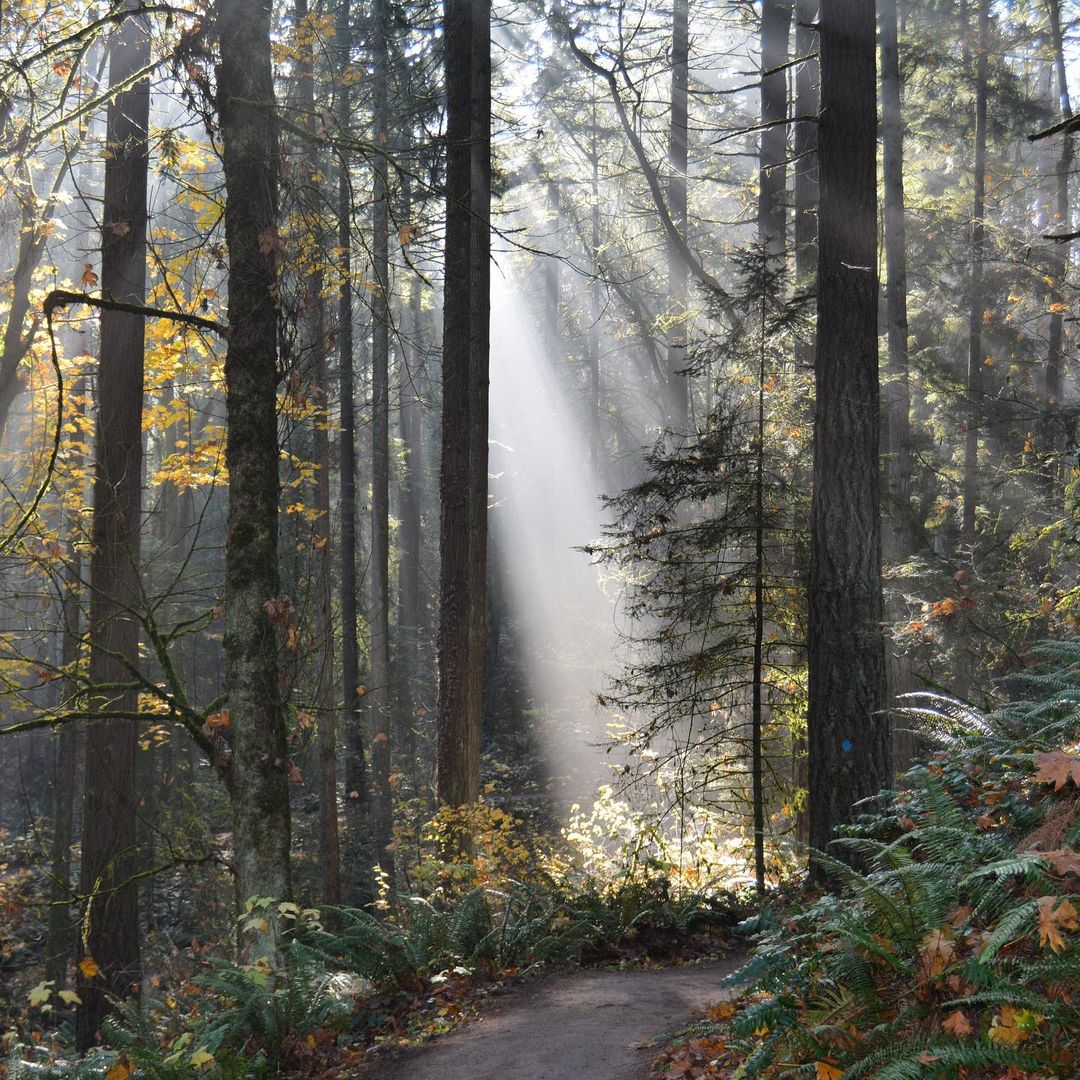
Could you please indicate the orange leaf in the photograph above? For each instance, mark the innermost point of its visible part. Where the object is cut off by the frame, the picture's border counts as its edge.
(89, 277)
(1057, 768)
(936, 952)
(88, 966)
(121, 1070)
(827, 1071)
(956, 1023)
(1052, 921)
(721, 1011)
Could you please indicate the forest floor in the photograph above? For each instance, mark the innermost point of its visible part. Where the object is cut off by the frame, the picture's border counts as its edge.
(598, 1024)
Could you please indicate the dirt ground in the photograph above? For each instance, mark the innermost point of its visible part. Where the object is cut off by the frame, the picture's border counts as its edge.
(592, 1025)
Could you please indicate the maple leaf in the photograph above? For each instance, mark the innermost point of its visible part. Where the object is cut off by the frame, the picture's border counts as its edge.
(270, 241)
(118, 228)
(1057, 768)
(1052, 921)
(957, 1023)
(41, 993)
(1063, 860)
(407, 234)
(937, 950)
(88, 966)
(826, 1070)
(89, 278)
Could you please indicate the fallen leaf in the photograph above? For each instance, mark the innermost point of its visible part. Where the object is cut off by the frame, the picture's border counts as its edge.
(827, 1071)
(1052, 921)
(1057, 768)
(957, 1023)
(936, 952)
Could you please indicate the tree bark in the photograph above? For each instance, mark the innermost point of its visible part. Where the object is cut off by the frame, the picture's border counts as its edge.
(411, 501)
(313, 351)
(352, 713)
(897, 536)
(1059, 253)
(382, 795)
(772, 171)
(806, 165)
(463, 477)
(110, 934)
(976, 300)
(678, 161)
(848, 731)
(258, 770)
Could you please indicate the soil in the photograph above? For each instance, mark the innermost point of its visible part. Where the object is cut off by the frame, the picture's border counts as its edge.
(592, 1025)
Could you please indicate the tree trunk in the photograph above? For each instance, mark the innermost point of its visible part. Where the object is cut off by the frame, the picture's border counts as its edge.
(975, 316)
(772, 171)
(806, 165)
(897, 535)
(411, 499)
(313, 350)
(352, 718)
(60, 939)
(463, 477)
(1059, 252)
(678, 274)
(382, 795)
(110, 933)
(258, 771)
(848, 732)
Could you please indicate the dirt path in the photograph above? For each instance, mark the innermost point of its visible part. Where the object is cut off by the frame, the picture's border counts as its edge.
(586, 1026)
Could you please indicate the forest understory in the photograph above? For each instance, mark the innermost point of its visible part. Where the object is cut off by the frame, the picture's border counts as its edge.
(539, 539)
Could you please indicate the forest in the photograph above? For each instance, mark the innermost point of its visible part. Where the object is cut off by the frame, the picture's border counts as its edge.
(539, 539)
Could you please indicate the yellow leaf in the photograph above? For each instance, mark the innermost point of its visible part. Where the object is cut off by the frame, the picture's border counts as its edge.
(121, 1070)
(88, 966)
(40, 993)
(69, 997)
(201, 1059)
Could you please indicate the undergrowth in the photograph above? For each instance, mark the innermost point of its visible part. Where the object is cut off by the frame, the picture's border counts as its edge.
(948, 947)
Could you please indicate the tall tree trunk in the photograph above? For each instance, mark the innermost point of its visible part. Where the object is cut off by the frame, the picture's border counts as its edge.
(254, 610)
(806, 165)
(352, 718)
(110, 933)
(976, 300)
(678, 161)
(595, 434)
(848, 732)
(466, 334)
(411, 500)
(897, 535)
(772, 171)
(772, 241)
(60, 939)
(382, 795)
(313, 347)
(1059, 254)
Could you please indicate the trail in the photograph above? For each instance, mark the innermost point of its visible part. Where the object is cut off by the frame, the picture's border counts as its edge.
(591, 1025)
